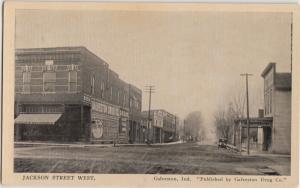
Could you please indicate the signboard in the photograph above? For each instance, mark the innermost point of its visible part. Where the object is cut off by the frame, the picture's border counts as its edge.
(108, 109)
(123, 122)
(87, 99)
(97, 128)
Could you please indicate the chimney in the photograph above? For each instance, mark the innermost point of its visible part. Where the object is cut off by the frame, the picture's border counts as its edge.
(260, 113)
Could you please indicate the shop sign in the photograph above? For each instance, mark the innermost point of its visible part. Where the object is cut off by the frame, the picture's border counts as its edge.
(86, 99)
(97, 128)
(104, 108)
(123, 122)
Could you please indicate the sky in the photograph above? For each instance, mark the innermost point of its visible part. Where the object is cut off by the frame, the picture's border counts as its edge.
(193, 58)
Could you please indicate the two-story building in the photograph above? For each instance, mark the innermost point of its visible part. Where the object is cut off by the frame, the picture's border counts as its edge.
(69, 94)
(162, 125)
(135, 117)
(274, 125)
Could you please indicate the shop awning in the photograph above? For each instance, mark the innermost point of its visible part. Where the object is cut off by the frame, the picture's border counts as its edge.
(37, 119)
(255, 122)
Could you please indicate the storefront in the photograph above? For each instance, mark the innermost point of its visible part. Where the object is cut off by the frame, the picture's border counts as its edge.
(261, 139)
(109, 123)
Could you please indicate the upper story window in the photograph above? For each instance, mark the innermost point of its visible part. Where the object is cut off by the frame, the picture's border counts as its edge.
(49, 77)
(111, 93)
(72, 80)
(102, 88)
(124, 99)
(26, 79)
(93, 84)
(49, 62)
(119, 94)
(268, 101)
(130, 102)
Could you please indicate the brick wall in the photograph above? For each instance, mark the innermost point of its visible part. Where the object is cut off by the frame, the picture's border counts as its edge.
(94, 66)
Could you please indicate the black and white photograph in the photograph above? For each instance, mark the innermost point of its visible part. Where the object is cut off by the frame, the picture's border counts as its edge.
(175, 92)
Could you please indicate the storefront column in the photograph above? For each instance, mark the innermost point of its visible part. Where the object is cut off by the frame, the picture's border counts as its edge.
(160, 135)
(82, 123)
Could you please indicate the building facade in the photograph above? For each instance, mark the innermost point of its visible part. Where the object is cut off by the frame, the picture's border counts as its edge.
(162, 126)
(70, 94)
(135, 107)
(277, 105)
(274, 122)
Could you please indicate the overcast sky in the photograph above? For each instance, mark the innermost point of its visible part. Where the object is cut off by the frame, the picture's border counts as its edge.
(194, 59)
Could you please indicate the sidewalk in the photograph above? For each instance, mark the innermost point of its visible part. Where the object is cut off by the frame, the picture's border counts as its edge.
(263, 154)
(82, 144)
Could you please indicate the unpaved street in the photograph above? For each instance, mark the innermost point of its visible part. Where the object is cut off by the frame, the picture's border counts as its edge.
(186, 158)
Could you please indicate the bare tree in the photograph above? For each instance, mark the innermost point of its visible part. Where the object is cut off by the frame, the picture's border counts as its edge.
(238, 102)
(193, 126)
(222, 128)
(224, 121)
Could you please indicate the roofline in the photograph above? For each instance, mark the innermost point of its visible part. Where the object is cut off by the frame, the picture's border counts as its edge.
(153, 110)
(71, 49)
(268, 68)
(59, 48)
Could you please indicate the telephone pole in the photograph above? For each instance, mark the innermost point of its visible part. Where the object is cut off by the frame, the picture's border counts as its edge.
(248, 121)
(149, 89)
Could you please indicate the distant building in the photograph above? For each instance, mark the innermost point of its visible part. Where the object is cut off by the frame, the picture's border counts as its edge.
(274, 124)
(162, 126)
(70, 94)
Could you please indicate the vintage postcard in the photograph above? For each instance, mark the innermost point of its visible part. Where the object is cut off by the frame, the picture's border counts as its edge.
(150, 95)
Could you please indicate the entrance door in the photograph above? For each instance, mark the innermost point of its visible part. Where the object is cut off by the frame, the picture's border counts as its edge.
(267, 138)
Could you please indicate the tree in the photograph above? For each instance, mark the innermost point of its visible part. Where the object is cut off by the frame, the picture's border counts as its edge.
(224, 122)
(193, 126)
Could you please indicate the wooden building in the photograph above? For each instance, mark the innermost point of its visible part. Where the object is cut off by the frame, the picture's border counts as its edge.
(274, 128)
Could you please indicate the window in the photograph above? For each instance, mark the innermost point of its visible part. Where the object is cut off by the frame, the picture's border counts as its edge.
(111, 93)
(72, 81)
(102, 89)
(124, 99)
(270, 103)
(49, 62)
(118, 97)
(26, 81)
(49, 79)
(92, 84)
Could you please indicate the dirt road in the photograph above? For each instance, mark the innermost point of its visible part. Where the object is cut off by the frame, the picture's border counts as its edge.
(185, 158)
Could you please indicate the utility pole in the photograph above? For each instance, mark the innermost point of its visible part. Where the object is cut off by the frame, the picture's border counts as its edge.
(175, 137)
(149, 89)
(184, 137)
(248, 121)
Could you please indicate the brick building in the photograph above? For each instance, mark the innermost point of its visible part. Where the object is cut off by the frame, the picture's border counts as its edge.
(70, 94)
(274, 124)
(135, 118)
(162, 125)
